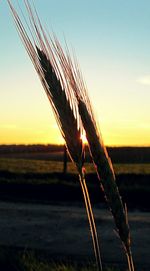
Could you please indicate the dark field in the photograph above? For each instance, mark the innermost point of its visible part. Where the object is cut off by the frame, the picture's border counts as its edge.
(127, 155)
(35, 173)
(42, 209)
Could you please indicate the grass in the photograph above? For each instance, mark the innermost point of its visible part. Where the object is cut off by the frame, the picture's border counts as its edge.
(12, 260)
(40, 166)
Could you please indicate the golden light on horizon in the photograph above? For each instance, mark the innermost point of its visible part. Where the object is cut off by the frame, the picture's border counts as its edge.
(50, 134)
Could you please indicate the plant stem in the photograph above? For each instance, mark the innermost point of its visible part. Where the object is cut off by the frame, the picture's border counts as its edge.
(91, 221)
(130, 260)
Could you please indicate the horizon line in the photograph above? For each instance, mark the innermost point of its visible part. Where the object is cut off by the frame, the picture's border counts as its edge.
(61, 144)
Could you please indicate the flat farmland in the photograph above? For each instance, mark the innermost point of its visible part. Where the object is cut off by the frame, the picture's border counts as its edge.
(40, 166)
(35, 173)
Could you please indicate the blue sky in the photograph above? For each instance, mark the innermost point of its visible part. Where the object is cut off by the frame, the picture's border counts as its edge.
(112, 43)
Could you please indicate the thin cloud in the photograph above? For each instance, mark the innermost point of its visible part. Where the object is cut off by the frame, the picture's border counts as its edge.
(144, 80)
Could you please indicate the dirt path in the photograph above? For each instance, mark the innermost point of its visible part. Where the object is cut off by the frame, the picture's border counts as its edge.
(63, 231)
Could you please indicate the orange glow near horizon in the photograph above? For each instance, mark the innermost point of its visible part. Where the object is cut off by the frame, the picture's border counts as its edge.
(10, 134)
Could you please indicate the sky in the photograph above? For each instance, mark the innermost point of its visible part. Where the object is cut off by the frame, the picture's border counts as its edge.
(111, 39)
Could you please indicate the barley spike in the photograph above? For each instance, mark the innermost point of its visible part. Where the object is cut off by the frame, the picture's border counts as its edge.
(62, 100)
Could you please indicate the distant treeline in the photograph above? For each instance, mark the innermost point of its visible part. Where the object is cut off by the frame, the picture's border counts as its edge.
(129, 154)
(117, 154)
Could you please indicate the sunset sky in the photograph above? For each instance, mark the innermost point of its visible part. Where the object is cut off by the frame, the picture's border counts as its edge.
(112, 42)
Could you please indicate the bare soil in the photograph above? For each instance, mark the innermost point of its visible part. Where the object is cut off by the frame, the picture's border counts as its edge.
(62, 231)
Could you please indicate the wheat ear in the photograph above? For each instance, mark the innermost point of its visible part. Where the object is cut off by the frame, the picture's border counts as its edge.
(79, 164)
(62, 101)
(98, 151)
(107, 179)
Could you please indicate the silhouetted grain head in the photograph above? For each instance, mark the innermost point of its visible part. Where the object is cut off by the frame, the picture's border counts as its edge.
(98, 151)
(105, 174)
(64, 85)
(43, 57)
